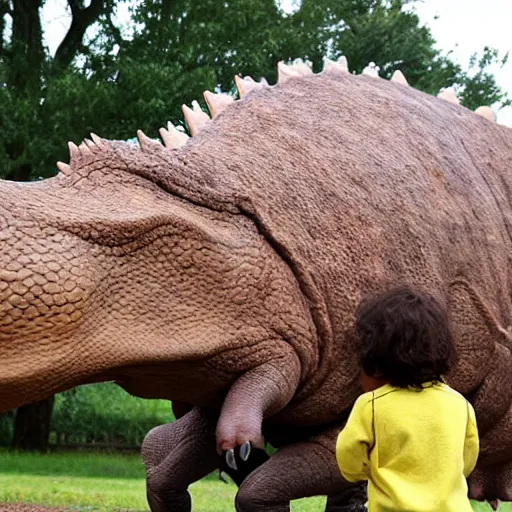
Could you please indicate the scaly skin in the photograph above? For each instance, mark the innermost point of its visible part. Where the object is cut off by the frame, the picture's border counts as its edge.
(84, 288)
(225, 274)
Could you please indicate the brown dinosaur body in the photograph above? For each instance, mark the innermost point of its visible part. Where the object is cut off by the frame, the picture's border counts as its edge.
(225, 274)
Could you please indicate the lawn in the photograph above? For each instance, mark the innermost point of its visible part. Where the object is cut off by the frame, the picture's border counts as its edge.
(96, 482)
(102, 483)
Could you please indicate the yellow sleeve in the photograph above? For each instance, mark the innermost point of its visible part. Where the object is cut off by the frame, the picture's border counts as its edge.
(355, 441)
(472, 444)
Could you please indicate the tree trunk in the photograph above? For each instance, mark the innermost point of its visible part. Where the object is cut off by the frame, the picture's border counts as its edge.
(32, 426)
(27, 53)
(82, 18)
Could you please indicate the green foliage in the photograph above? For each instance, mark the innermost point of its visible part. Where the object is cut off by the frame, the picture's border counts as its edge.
(77, 464)
(105, 413)
(478, 81)
(114, 82)
(99, 413)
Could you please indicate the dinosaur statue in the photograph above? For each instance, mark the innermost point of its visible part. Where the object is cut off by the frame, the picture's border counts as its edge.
(222, 272)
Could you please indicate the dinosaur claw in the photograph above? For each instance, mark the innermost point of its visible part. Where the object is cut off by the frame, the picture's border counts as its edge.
(245, 451)
(230, 459)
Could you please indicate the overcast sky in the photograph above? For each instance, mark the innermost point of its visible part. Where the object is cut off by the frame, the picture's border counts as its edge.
(464, 26)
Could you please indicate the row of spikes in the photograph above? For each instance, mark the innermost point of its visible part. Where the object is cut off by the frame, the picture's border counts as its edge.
(196, 118)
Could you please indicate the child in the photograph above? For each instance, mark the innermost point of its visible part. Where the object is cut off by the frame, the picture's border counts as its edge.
(410, 435)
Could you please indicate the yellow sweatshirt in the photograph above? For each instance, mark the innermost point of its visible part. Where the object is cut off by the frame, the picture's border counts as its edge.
(415, 447)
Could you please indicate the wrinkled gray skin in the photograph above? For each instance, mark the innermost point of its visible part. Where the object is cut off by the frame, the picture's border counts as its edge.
(224, 276)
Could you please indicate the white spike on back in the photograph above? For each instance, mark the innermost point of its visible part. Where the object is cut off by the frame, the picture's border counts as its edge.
(172, 137)
(287, 71)
(247, 84)
(84, 149)
(217, 102)
(399, 77)
(303, 67)
(97, 140)
(371, 70)
(145, 142)
(486, 112)
(64, 168)
(336, 65)
(74, 152)
(449, 95)
(195, 118)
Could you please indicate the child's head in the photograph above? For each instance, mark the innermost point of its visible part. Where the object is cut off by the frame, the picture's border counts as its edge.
(404, 337)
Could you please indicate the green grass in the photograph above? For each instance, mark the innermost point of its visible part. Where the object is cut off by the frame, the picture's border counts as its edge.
(99, 482)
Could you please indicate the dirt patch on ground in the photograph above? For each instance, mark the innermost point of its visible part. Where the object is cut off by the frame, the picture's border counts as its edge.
(26, 507)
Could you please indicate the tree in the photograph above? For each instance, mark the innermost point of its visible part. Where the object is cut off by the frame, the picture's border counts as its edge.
(192, 46)
(30, 76)
(113, 82)
(478, 82)
(389, 33)
(32, 426)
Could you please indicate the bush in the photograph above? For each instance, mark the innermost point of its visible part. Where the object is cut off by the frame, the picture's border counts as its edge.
(105, 413)
(98, 413)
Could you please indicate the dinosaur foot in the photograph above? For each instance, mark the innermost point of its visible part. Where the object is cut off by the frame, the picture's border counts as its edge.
(492, 484)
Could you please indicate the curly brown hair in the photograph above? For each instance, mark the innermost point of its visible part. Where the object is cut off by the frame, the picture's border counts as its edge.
(404, 337)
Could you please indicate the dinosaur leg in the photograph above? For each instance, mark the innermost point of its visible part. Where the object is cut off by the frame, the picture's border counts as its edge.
(492, 484)
(485, 358)
(257, 394)
(351, 499)
(244, 468)
(176, 455)
(182, 452)
(297, 471)
(492, 480)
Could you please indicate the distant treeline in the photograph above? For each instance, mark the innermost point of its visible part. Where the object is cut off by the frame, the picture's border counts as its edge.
(102, 415)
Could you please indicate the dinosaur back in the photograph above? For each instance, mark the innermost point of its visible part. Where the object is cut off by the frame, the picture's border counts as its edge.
(358, 182)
